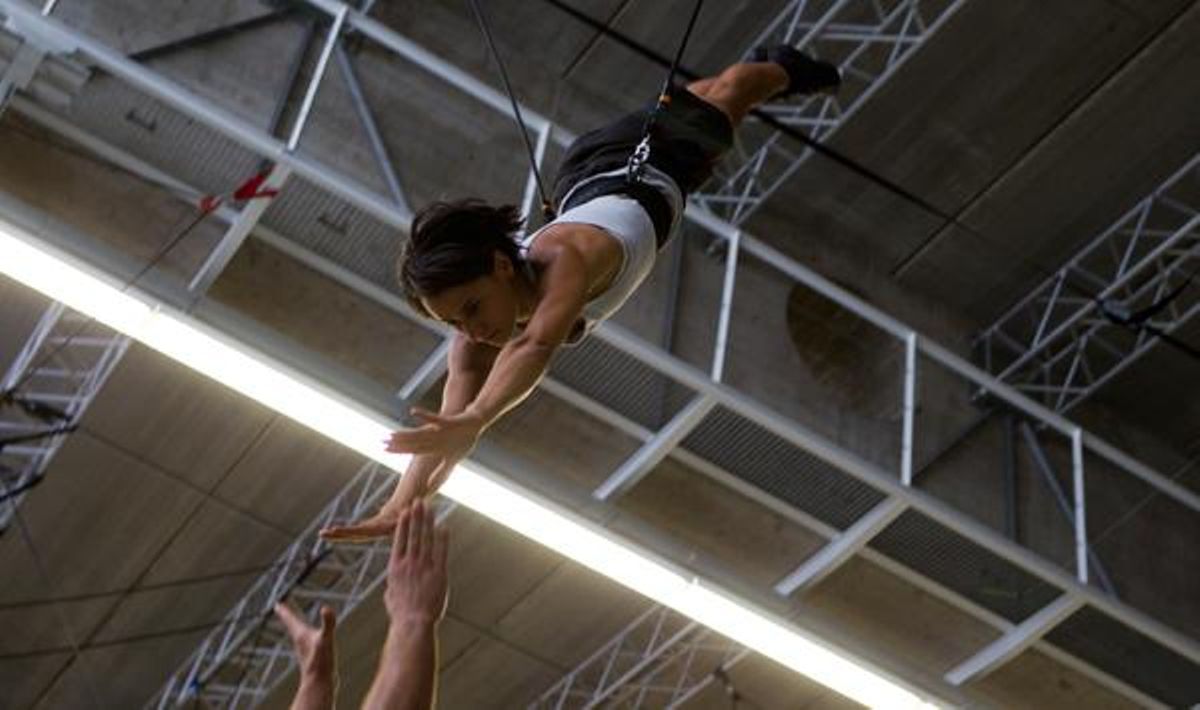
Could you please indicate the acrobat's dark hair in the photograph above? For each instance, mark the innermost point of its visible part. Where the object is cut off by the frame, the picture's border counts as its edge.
(454, 242)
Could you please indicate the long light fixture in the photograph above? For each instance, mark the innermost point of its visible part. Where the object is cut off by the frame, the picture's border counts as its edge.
(73, 282)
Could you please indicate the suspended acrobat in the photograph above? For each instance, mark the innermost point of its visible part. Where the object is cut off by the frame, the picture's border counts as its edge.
(620, 194)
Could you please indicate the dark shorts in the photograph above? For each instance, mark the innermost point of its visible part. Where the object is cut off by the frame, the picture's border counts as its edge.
(689, 138)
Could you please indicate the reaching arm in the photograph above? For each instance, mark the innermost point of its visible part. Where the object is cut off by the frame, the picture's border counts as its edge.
(522, 363)
(467, 368)
(315, 655)
(517, 369)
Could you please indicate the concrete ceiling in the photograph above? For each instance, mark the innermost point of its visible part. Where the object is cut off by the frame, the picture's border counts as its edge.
(1037, 124)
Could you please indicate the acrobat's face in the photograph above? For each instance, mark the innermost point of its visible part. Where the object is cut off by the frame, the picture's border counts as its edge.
(483, 309)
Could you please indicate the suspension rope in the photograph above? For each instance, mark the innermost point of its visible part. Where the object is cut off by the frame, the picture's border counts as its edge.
(854, 166)
(641, 154)
(547, 206)
(250, 189)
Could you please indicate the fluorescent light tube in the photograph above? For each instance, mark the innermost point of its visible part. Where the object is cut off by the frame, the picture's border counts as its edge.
(236, 365)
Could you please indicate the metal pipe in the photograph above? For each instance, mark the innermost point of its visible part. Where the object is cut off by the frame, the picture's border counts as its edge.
(910, 408)
(1060, 497)
(721, 349)
(1081, 545)
(378, 147)
(314, 85)
(219, 119)
(434, 64)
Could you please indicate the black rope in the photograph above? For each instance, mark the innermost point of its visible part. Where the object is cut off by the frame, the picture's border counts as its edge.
(865, 172)
(641, 154)
(547, 206)
(816, 146)
(170, 584)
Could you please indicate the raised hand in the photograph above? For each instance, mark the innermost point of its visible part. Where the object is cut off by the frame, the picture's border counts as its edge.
(449, 437)
(416, 582)
(315, 655)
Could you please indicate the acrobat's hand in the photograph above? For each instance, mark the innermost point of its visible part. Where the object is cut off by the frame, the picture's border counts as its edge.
(314, 647)
(420, 480)
(449, 437)
(381, 524)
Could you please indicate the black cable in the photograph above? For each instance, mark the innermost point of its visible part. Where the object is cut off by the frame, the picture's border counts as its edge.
(641, 153)
(14, 492)
(863, 171)
(182, 582)
(818, 147)
(547, 206)
(123, 640)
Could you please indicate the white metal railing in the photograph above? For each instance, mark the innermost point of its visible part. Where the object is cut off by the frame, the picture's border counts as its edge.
(895, 485)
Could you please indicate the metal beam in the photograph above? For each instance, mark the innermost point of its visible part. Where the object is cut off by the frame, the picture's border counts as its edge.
(654, 451)
(1060, 347)
(206, 112)
(1014, 642)
(254, 209)
(209, 36)
(365, 116)
(1066, 507)
(840, 549)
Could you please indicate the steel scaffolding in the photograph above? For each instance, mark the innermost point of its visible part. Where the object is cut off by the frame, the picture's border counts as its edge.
(47, 388)
(898, 497)
(1059, 344)
(246, 656)
(869, 40)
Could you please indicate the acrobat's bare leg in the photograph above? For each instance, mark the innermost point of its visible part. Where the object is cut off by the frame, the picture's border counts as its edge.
(782, 71)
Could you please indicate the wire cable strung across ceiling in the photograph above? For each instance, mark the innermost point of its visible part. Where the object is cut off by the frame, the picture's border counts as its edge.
(1107, 307)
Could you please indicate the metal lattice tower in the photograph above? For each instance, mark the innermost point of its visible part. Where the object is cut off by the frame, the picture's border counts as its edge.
(246, 656)
(869, 40)
(1058, 345)
(659, 660)
(63, 365)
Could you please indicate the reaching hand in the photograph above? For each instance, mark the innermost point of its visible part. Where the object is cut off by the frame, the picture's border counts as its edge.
(381, 524)
(416, 581)
(449, 437)
(414, 484)
(314, 647)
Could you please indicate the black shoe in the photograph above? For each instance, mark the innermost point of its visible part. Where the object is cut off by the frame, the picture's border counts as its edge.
(805, 74)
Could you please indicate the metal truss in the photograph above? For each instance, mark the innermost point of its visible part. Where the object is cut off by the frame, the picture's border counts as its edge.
(894, 483)
(660, 660)
(869, 40)
(245, 657)
(1059, 345)
(48, 387)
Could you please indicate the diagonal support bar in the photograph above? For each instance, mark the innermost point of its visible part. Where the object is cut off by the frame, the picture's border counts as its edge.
(656, 449)
(841, 548)
(1015, 641)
